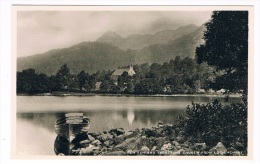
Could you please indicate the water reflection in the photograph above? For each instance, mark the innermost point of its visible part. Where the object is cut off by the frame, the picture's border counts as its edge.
(105, 120)
(130, 117)
(36, 116)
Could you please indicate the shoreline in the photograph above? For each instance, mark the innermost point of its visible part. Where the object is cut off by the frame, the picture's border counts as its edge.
(131, 95)
(161, 140)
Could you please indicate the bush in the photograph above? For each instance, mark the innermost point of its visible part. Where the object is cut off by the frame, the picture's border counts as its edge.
(214, 122)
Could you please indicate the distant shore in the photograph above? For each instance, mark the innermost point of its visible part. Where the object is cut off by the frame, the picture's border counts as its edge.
(135, 95)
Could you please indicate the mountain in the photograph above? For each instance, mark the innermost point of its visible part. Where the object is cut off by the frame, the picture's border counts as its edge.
(137, 41)
(88, 56)
(94, 56)
(110, 37)
(184, 46)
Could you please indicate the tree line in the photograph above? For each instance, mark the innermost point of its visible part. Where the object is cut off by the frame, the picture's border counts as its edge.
(178, 76)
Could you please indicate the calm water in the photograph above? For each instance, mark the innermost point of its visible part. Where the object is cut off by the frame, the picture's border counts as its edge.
(36, 115)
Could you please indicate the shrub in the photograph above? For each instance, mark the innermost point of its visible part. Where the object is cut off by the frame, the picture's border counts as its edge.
(214, 122)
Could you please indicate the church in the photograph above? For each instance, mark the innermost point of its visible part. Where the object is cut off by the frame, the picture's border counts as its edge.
(118, 72)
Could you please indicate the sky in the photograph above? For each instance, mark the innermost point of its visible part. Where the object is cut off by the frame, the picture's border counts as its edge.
(40, 31)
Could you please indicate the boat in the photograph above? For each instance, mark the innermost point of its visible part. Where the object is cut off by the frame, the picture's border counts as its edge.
(67, 129)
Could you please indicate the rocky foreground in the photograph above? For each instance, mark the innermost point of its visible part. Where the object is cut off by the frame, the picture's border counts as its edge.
(159, 140)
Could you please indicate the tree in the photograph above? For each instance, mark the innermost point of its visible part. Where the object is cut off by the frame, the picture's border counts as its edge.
(83, 80)
(226, 48)
(123, 81)
(63, 77)
(30, 82)
(108, 86)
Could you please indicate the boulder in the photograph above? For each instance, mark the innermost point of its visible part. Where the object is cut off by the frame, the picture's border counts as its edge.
(167, 146)
(91, 138)
(144, 148)
(85, 142)
(106, 136)
(104, 149)
(200, 146)
(122, 146)
(61, 154)
(180, 139)
(155, 148)
(131, 146)
(106, 143)
(150, 133)
(118, 131)
(219, 149)
(96, 142)
(121, 136)
(160, 141)
(175, 143)
(118, 140)
(160, 125)
(95, 135)
(86, 151)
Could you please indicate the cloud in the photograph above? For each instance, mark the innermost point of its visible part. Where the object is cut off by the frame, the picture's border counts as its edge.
(40, 31)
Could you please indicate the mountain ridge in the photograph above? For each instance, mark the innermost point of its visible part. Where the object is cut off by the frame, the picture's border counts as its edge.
(139, 41)
(94, 56)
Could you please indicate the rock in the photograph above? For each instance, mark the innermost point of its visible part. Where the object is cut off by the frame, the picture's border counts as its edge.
(167, 146)
(125, 145)
(85, 142)
(118, 131)
(145, 149)
(96, 148)
(91, 138)
(180, 139)
(61, 154)
(130, 140)
(122, 146)
(86, 151)
(155, 148)
(181, 152)
(149, 133)
(107, 143)
(160, 125)
(181, 133)
(81, 144)
(185, 145)
(160, 141)
(138, 143)
(104, 149)
(200, 146)
(93, 135)
(172, 136)
(130, 135)
(97, 152)
(175, 143)
(118, 140)
(131, 146)
(121, 136)
(96, 142)
(219, 149)
(106, 136)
